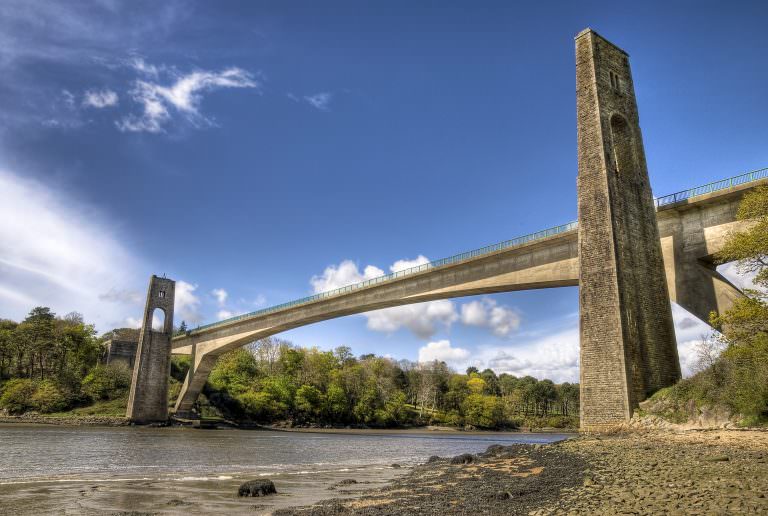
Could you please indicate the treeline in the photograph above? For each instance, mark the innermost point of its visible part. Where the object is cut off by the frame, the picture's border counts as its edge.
(273, 381)
(51, 364)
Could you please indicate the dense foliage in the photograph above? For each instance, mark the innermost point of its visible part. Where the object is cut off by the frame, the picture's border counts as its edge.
(50, 364)
(733, 369)
(271, 380)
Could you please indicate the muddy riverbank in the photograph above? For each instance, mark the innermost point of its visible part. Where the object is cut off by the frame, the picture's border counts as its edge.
(712, 472)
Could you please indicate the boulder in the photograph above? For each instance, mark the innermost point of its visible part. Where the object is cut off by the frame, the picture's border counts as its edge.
(495, 449)
(347, 482)
(257, 488)
(464, 458)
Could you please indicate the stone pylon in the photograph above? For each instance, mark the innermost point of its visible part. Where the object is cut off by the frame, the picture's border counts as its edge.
(148, 398)
(628, 348)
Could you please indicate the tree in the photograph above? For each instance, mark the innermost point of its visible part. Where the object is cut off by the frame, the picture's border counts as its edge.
(309, 401)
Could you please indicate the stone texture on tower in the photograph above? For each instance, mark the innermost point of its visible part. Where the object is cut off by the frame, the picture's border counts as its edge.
(628, 348)
(148, 398)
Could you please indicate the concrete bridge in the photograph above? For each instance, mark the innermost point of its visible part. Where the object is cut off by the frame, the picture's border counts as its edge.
(629, 253)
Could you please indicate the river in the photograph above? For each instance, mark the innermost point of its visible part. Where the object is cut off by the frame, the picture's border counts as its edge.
(98, 470)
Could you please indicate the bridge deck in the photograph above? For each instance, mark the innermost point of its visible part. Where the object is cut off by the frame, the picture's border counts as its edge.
(664, 203)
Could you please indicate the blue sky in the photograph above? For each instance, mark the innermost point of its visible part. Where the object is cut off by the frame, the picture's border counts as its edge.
(256, 151)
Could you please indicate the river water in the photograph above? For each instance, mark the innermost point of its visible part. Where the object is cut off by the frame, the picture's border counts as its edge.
(95, 470)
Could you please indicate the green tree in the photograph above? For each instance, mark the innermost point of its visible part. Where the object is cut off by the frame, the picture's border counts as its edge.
(16, 395)
(107, 382)
(483, 411)
(309, 401)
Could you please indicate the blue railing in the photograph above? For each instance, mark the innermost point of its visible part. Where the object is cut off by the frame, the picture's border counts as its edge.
(712, 187)
(507, 244)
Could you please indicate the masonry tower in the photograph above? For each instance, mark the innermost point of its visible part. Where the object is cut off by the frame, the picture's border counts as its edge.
(628, 348)
(148, 398)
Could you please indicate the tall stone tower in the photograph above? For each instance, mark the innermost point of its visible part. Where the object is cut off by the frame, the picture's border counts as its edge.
(628, 348)
(148, 398)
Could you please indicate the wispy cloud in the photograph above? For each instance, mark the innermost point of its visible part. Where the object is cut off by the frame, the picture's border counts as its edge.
(57, 252)
(221, 295)
(183, 97)
(321, 101)
(100, 98)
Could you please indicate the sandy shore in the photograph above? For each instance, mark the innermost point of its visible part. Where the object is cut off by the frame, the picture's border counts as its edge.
(713, 472)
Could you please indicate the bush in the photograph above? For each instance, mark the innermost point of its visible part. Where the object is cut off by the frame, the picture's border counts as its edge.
(48, 397)
(17, 395)
(483, 411)
(261, 406)
(107, 382)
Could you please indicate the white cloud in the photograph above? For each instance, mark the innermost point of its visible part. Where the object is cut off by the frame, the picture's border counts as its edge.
(690, 332)
(220, 294)
(421, 318)
(554, 356)
(100, 98)
(183, 97)
(502, 320)
(401, 265)
(320, 100)
(224, 314)
(187, 304)
(346, 273)
(140, 65)
(59, 253)
(442, 351)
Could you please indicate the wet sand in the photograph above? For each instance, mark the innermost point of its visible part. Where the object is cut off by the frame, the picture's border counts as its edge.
(50, 469)
(192, 495)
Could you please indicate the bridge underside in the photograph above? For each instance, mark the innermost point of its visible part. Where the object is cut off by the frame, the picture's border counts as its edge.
(691, 233)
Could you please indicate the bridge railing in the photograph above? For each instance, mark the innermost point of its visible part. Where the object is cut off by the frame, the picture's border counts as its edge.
(712, 187)
(660, 201)
(404, 272)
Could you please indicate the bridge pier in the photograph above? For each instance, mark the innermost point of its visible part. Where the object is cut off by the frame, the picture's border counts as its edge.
(148, 397)
(628, 347)
(687, 235)
(201, 366)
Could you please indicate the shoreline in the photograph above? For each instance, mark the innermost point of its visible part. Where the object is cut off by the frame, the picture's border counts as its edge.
(650, 472)
(119, 421)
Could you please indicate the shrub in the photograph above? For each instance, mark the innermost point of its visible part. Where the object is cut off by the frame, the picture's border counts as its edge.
(261, 406)
(483, 411)
(48, 397)
(309, 401)
(17, 395)
(107, 382)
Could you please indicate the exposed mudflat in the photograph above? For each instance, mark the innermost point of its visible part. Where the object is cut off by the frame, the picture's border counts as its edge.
(712, 472)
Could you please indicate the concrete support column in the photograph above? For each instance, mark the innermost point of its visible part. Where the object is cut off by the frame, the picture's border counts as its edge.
(148, 397)
(202, 364)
